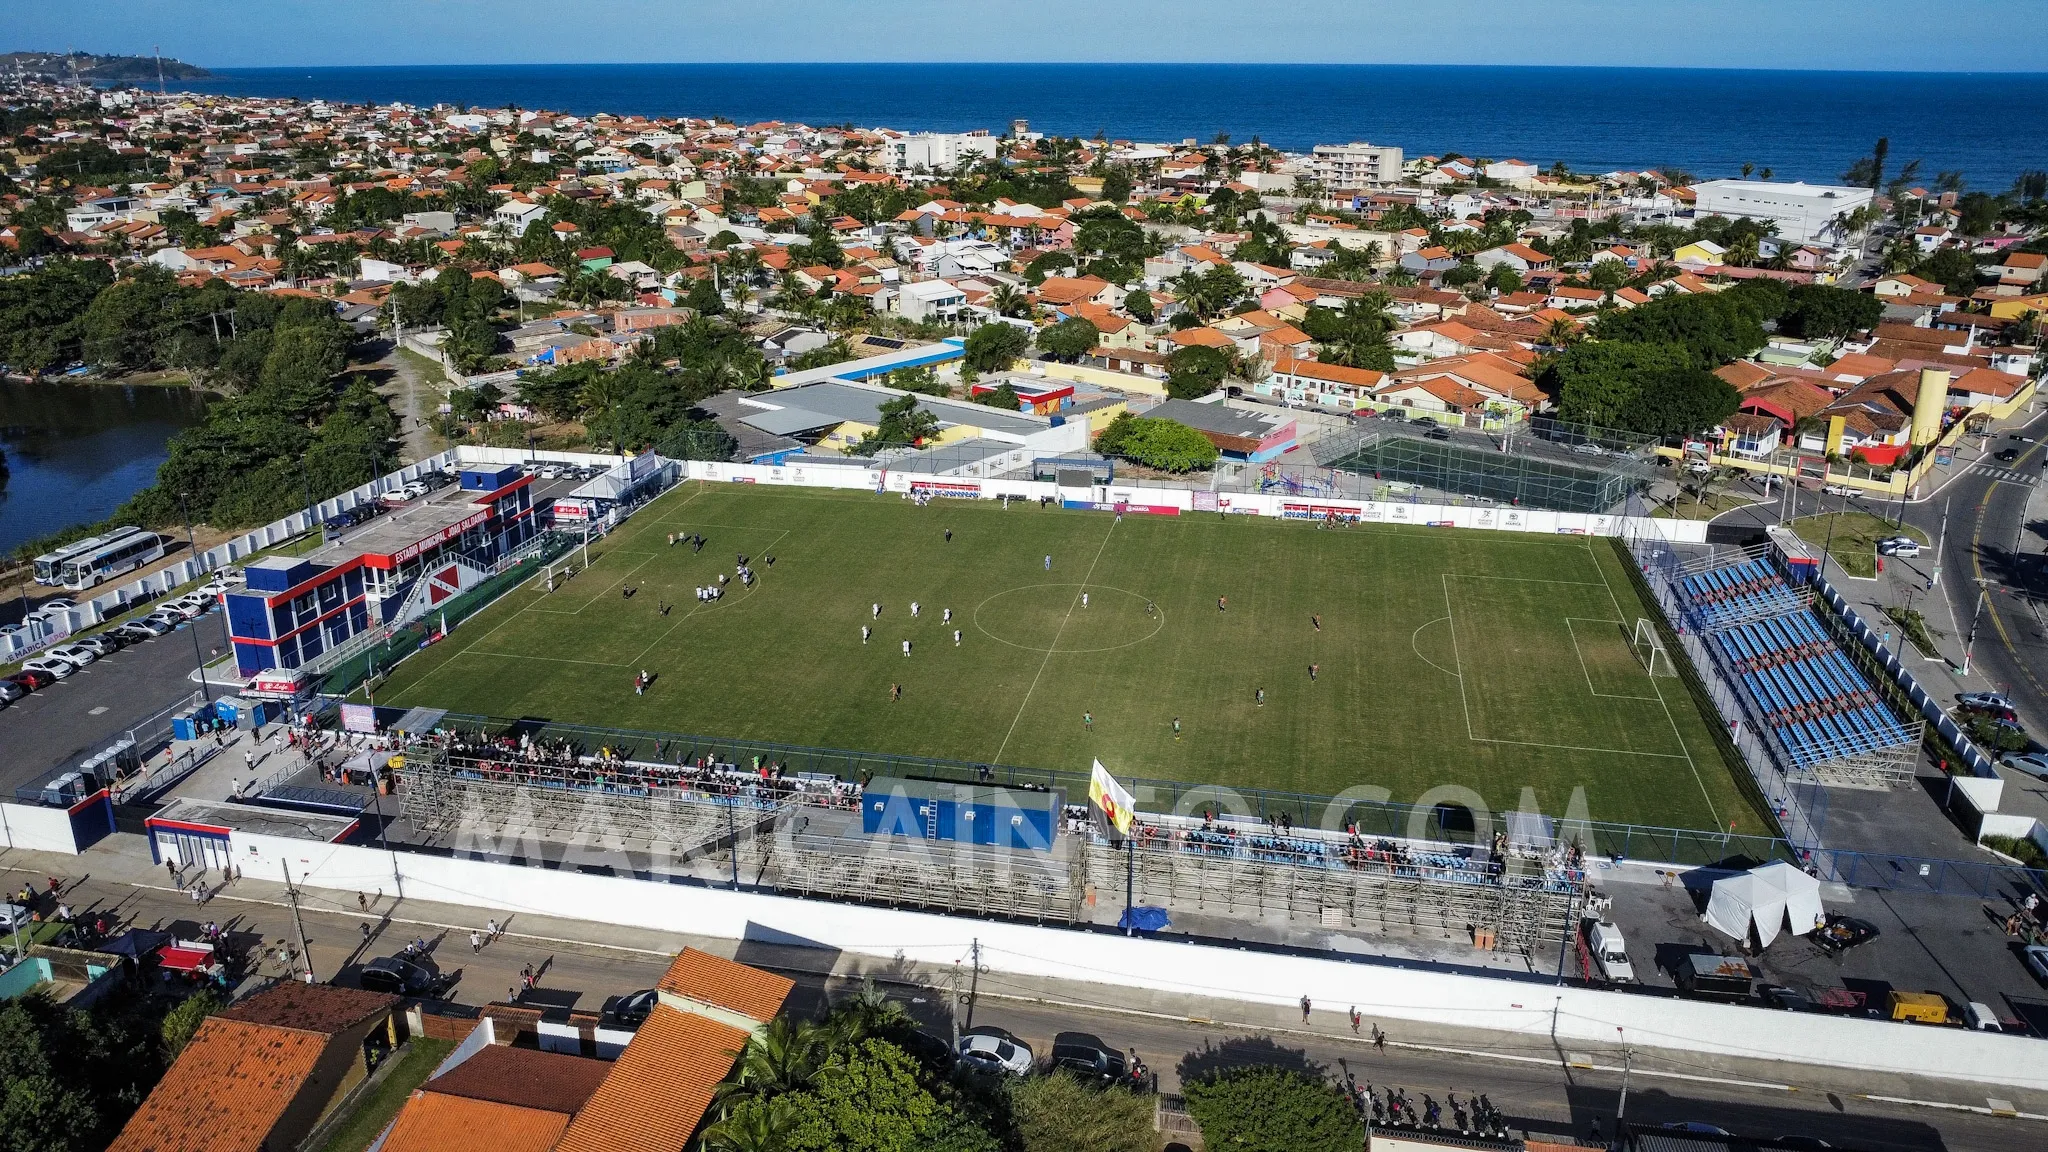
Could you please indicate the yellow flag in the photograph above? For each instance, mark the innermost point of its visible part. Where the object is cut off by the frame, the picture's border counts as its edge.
(1116, 804)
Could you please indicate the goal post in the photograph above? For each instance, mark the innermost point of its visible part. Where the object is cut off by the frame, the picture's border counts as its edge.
(1650, 651)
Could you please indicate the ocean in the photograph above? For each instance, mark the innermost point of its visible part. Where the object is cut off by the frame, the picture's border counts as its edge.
(1803, 125)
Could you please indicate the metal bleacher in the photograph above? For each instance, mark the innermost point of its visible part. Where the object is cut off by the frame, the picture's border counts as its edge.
(1825, 723)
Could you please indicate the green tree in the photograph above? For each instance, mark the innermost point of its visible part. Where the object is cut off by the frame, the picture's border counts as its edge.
(182, 1021)
(1167, 445)
(1820, 311)
(1139, 305)
(1058, 1113)
(1504, 279)
(903, 424)
(1001, 396)
(1715, 329)
(1195, 371)
(1263, 1109)
(875, 1100)
(994, 347)
(1116, 185)
(1069, 340)
(703, 299)
(1953, 269)
(1657, 389)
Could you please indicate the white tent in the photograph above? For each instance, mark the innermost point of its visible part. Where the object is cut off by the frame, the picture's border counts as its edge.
(1767, 899)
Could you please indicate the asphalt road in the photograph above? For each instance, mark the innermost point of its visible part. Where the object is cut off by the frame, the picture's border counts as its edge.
(1528, 1084)
(51, 729)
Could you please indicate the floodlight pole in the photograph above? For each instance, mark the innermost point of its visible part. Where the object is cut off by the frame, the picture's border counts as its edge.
(1130, 885)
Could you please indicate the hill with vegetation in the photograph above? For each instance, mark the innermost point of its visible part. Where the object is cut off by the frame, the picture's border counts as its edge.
(87, 66)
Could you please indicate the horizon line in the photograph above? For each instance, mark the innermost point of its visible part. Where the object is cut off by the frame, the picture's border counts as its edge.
(1872, 71)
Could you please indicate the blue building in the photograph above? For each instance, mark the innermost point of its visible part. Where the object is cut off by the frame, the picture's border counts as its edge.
(392, 570)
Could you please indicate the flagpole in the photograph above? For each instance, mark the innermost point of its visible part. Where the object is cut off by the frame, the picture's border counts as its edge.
(1130, 886)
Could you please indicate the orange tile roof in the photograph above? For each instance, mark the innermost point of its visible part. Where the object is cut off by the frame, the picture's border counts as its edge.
(321, 1008)
(1204, 337)
(226, 1091)
(659, 1090)
(727, 984)
(432, 1122)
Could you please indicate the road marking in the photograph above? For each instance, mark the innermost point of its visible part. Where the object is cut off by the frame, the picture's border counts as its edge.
(97, 711)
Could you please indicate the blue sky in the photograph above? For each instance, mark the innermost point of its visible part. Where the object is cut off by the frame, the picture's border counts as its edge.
(1960, 35)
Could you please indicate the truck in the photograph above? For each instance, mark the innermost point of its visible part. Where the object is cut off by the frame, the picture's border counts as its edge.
(1707, 976)
(1609, 953)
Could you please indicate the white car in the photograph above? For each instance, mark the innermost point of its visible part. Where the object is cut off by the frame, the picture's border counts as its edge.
(1842, 490)
(1904, 546)
(993, 1050)
(193, 606)
(58, 602)
(50, 666)
(166, 618)
(2037, 961)
(77, 654)
(12, 915)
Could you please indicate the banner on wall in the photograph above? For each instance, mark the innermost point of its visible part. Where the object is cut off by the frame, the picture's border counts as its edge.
(1114, 506)
(958, 489)
(1207, 502)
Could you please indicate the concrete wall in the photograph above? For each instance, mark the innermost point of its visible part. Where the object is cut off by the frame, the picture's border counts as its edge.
(1534, 1007)
(37, 829)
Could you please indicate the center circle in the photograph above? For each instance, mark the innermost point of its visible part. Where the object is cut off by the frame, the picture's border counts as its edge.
(1051, 618)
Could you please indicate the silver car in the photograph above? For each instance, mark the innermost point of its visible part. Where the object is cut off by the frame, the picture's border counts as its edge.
(2032, 763)
(994, 1050)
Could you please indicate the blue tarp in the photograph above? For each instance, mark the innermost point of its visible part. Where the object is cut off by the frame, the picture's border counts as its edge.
(1144, 917)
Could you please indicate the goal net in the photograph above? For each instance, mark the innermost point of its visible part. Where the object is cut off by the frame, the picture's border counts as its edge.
(1650, 650)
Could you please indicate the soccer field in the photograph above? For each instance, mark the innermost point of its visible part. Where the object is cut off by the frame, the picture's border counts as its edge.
(1491, 661)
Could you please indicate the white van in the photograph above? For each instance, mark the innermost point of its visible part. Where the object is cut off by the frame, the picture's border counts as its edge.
(1610, 953)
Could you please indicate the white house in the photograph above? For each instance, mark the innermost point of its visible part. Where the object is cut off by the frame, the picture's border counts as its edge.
(1511, 171)
(935, 150)
(923, 300)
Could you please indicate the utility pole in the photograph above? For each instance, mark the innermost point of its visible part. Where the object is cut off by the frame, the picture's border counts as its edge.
(974, 979)
(1621, 1111)
(297, 921)
(1940, 543)
(197, 653)
(1970, 642)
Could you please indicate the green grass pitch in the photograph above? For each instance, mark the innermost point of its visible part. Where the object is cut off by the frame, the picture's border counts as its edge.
(1485, 660)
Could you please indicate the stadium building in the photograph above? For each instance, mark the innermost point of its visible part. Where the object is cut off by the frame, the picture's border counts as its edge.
(396, 568)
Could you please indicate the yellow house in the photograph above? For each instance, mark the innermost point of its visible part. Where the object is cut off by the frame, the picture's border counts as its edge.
(2014, 307)
(1699, 252)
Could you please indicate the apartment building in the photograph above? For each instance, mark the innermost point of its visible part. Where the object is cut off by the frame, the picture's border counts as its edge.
(1355, 165)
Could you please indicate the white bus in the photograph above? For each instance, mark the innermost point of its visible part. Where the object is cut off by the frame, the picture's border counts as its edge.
(116, 556)
(50, 565)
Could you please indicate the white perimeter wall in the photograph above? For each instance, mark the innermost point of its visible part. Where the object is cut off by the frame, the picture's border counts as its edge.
(37, 829)
(1535, 1008)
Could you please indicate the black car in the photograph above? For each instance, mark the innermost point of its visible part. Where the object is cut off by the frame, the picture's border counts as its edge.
(1437, 432)
(2008, 455)
(1088, 1058)
(630, 1011)
(398, 977)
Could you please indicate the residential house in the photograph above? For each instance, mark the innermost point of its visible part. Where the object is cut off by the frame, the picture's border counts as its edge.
(1295, 380)
(924, 300)
(1429, 262)
(1249, 436)
(1518, 256)
(261, 1074)
(2021, 273)
(1700, 252)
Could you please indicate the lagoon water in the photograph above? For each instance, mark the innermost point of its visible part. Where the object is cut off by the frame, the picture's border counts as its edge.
(75, 452)
(1804, 125)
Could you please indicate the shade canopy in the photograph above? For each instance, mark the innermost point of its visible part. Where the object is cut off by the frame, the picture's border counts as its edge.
(1765, 900)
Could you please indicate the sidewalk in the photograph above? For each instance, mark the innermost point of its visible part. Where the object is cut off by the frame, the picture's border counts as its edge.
(119, 870)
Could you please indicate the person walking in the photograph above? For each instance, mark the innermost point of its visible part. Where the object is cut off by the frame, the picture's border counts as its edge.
(1088, 720)
(945, 616)
(865, 631)
(878, 611)
(1313, 668)
(956, 637)
(1379, 1038)
(362, 902)
(1176, 727)
(1304, 1009)
(1354, 1019)
(1084, 599)
(906, 647)
(1048, 563)
(913, 609)
(895, 692)
(1317, 620)
(1259, 695)
(1223, 603)
(949, 535)
(476, 942)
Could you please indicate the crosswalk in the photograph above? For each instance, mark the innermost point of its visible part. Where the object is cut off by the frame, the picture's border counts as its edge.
(2005, 475)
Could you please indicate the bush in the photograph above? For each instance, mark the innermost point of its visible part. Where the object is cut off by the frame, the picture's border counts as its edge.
(1263, 1109)
(2019, 848)
(1167, 445)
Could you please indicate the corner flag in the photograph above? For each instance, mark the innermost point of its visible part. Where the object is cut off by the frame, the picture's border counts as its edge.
(1117, 805)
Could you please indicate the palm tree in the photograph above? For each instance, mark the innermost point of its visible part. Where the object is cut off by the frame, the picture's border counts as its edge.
(1562, 332)
(868, 1012)
(786, 1056)
(763, 1129)
(1008, 301)
(1744, 251)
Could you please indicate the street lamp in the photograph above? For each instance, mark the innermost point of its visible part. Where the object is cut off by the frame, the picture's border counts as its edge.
(198, 654)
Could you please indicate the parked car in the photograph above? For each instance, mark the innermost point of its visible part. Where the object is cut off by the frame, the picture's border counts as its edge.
(1087, 1057)
(76, 655)
(994, 1050)
(1842, 490)
(54, 667)
(57, 602)
(102, 644)
(1904, 546)
(1437, 432)
(2032, 763)
(630, 1011)
(12, 915)
(170, 618)
(1589, 449)
(2036, 958)
(1998, 700)
(31, 679)
(142, 629)
(398, 977)
(11, 691)
(193, 606)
